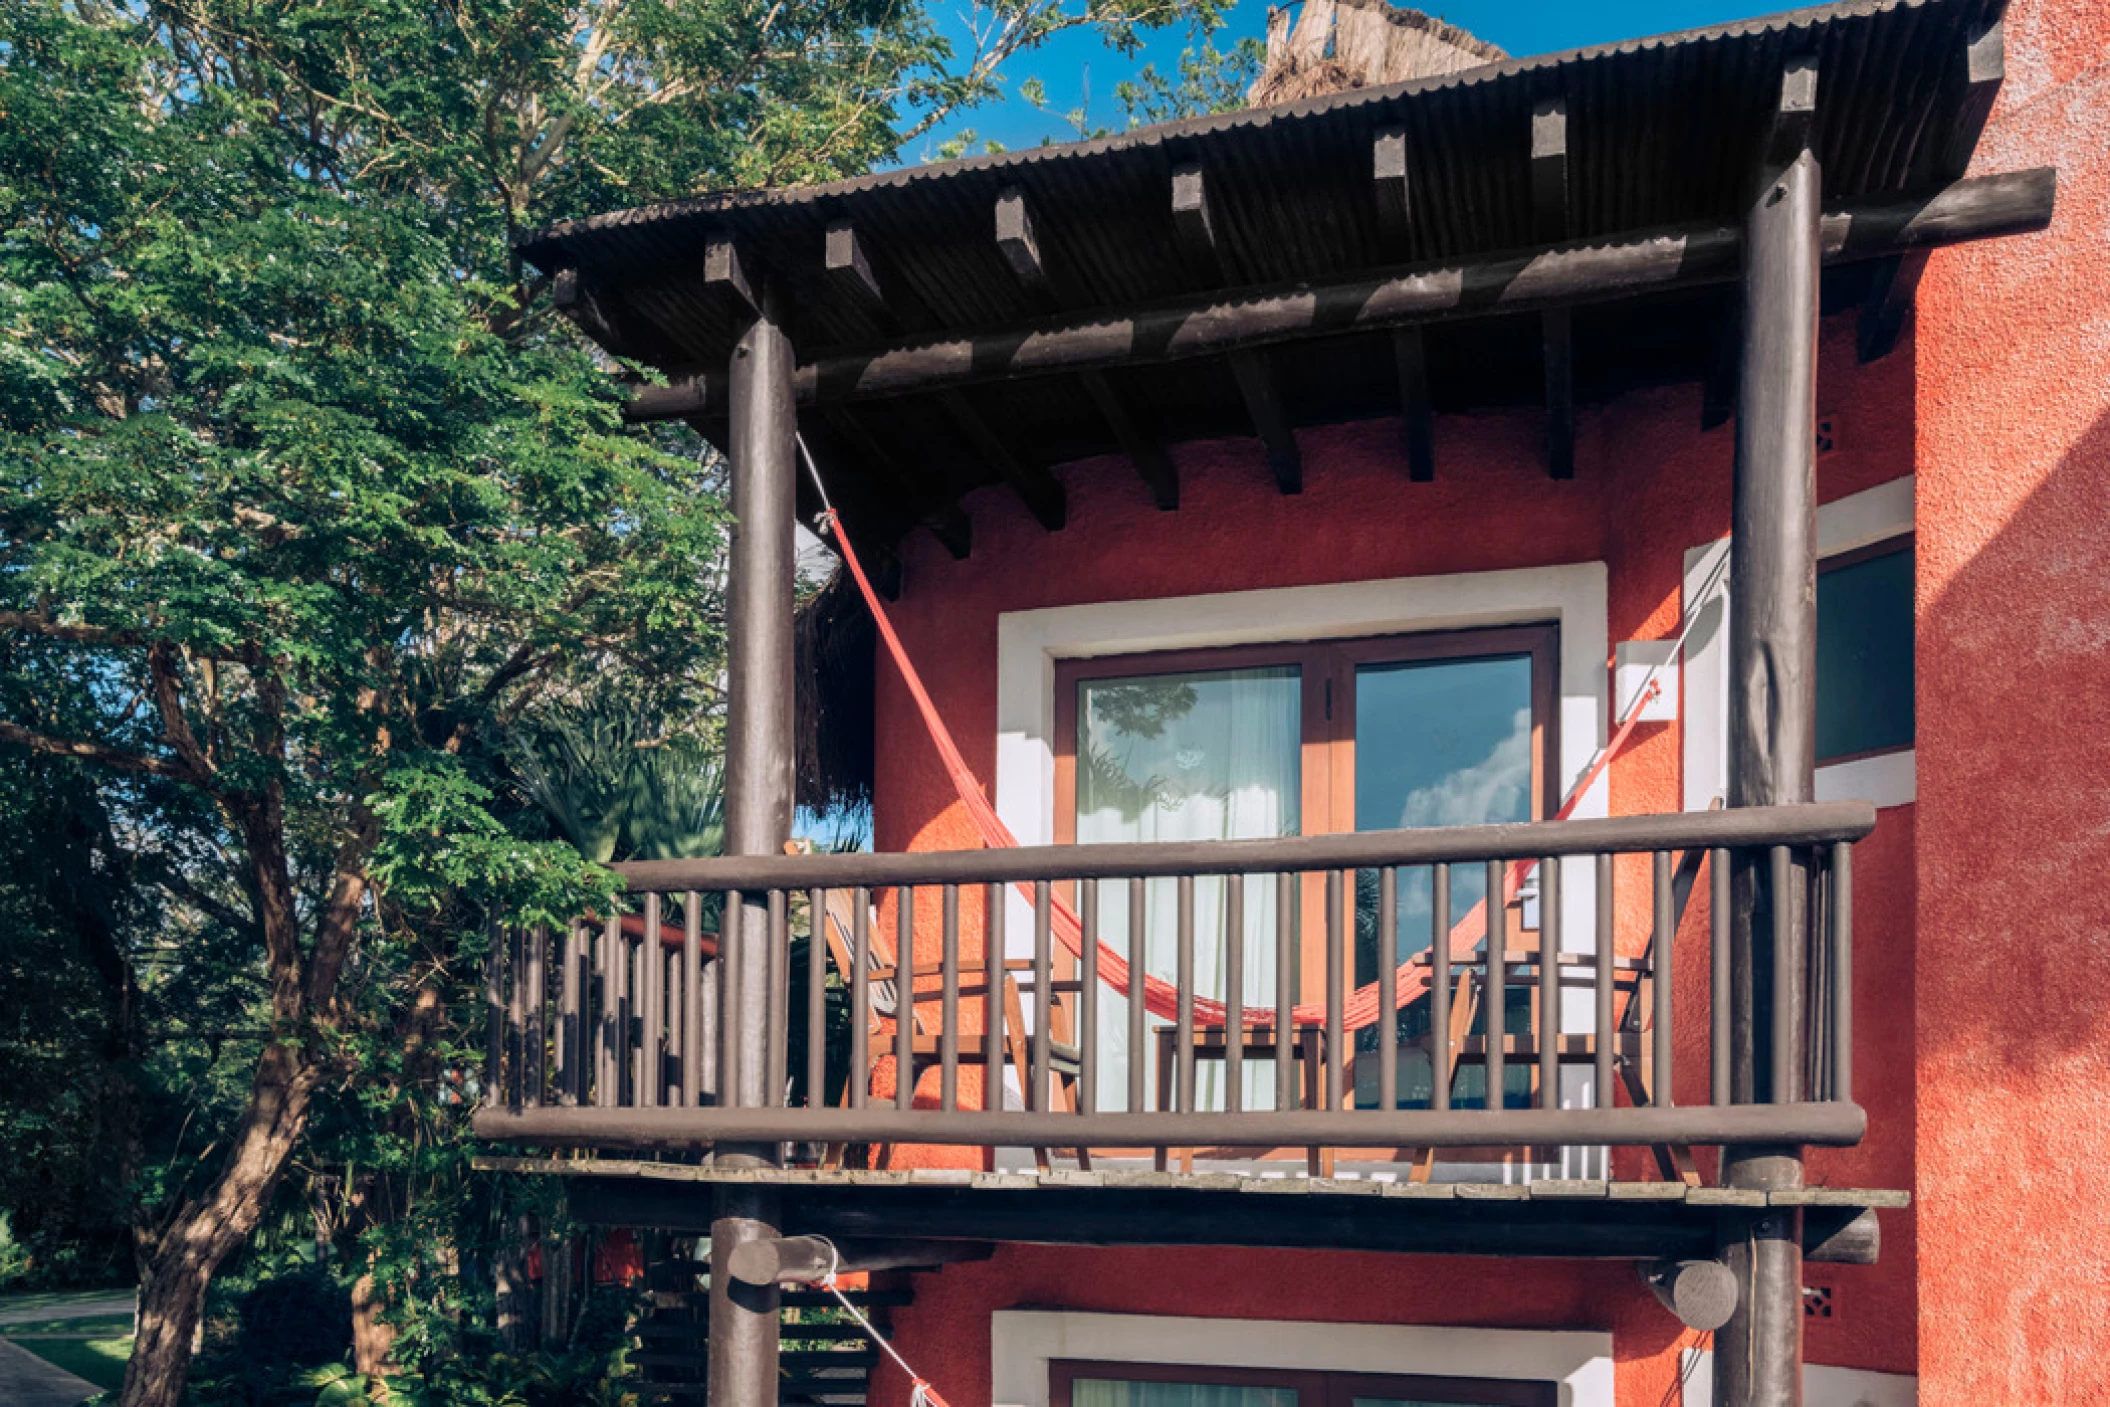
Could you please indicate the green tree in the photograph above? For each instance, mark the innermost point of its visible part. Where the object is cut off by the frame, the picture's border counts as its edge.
(305, 499)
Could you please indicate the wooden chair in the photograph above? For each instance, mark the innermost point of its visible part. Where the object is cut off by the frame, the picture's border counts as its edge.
(1307, 1053)
(885, 986)
(1633, 1005)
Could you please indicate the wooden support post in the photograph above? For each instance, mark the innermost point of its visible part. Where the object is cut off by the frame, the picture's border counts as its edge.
(1410, 356)
(1262, 394)
(1035, 486)
(758, 802)
(1772, 731)
(1153, 462)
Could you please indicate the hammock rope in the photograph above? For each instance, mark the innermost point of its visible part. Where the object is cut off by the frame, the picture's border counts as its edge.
(1160, 997)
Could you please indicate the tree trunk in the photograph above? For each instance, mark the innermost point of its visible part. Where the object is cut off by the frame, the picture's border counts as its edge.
(212, 1225)
(373, 1338)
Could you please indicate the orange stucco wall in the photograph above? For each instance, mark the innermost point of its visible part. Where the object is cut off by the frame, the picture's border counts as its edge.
(2013, 985)
(1983, 927)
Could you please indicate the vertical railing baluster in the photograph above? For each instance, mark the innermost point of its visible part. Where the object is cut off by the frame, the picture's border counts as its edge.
(538, 1007)
(1718, 999)
(692, 1022)
(1043, 995)
(571, 1013)
(1088, 999)
(778, 1029)
(1549, 982)
(993, 1005)
(1784, 984)
(677, 1080)
(633, 1020)
(1660, 1060)
(904, 997)
(1234, 993)
(516, 1017)
(1605, 987)
(860, 998)
(1441, 1053)
(1842, 896)
(1138, 969)
(732, 953)
(1336, 963)
(949, 1005)
(1183, 1021)
(817, 999)
(494, 1013)
(652, 1008)
(1388, 988)
(1286, 897)
(1497, 1003)
(606, 1086)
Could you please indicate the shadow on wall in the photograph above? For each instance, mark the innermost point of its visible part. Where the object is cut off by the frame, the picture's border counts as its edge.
(2014, 784)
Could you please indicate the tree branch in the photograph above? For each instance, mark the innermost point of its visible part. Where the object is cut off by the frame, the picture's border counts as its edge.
(109, 756)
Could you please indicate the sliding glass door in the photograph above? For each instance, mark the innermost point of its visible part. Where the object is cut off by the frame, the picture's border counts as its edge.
(1257, 742)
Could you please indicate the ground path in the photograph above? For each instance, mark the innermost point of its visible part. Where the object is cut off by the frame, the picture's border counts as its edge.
(42, 1309)
(28, 1381)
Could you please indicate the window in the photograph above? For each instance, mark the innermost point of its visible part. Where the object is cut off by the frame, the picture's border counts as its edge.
(1305, 738)
(1864, 652)
(1074, 1383)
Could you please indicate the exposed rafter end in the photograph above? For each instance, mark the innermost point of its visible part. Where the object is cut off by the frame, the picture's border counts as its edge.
(729, 275)
(849, 268)
(1262, 394)
(1152, 461)
(1981, 70)
(1388, 187)
(1549, 169)
(1794, 114)
(1194, 223)
(1019, 240)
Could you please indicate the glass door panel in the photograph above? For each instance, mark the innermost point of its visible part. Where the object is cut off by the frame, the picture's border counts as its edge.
(1206, 755)
(1107, 1392)
(1438, 742)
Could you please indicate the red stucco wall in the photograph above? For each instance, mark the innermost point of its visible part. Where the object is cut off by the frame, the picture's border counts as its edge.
(1983, 952)
(2013, 986)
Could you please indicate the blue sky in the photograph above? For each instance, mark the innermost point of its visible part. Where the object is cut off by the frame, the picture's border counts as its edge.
(1080, 72)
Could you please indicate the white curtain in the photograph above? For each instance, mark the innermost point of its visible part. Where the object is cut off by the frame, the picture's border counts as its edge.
(1210, 756)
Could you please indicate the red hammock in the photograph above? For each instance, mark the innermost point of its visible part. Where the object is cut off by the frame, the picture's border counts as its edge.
(1162, 998)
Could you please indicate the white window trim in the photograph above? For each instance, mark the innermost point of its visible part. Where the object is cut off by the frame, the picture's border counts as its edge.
(1030, 643)
(1024, 1342)
(1890, 779)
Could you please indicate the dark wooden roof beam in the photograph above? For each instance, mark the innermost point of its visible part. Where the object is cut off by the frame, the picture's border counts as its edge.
(1633, 265)
(947, 521)
(1262, 393)
(1410, 356)
(849, 268)
(1550, 223)
(1194, 225)
(1388, 188)
(730, 276)
(1019, 241)
(1038, 489)
(1145, 451)
(1980, 68)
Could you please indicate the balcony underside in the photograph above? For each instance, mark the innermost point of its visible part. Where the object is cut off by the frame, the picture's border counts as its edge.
(1550, 1218)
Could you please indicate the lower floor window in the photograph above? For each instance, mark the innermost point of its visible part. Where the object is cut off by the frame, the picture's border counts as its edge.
(1075, 1383)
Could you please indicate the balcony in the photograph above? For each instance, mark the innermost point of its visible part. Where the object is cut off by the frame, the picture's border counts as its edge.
(627, 1033)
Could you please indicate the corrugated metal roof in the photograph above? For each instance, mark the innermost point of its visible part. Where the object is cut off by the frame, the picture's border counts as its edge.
(1661, 131)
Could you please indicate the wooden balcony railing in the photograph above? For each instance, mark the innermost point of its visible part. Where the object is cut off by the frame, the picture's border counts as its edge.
(618, 1033)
